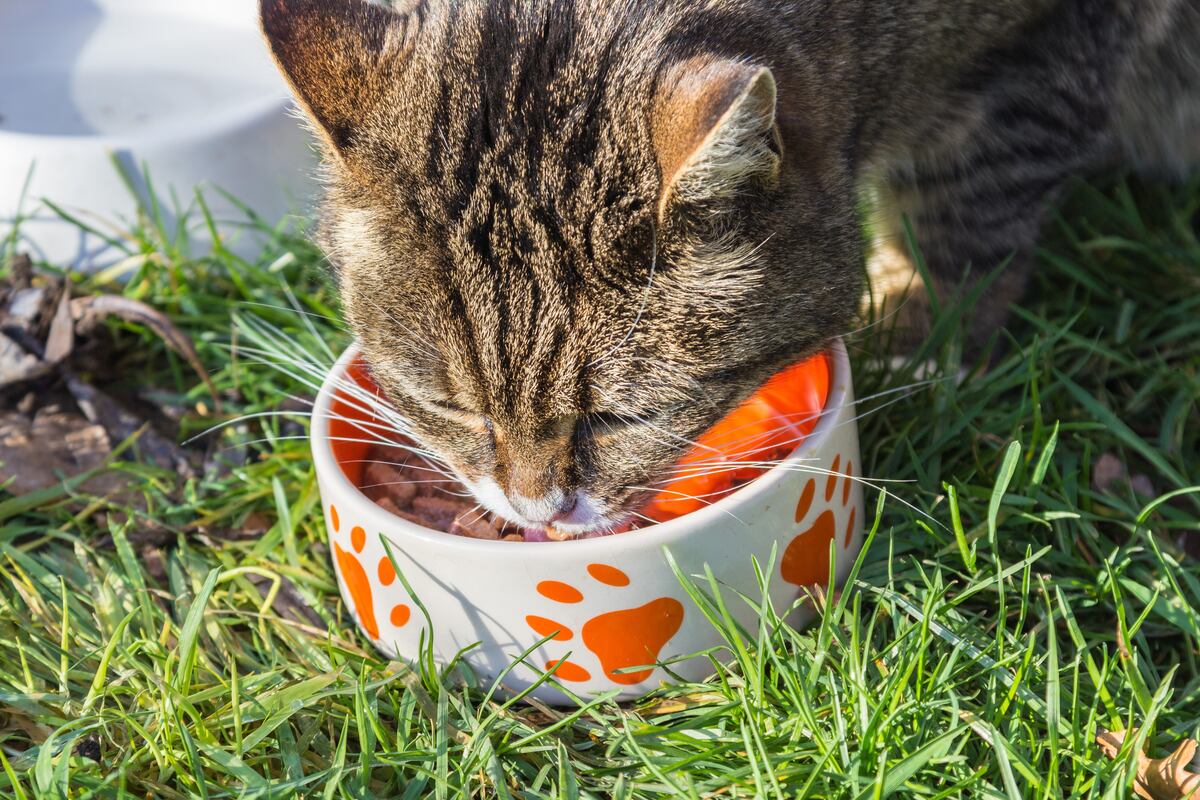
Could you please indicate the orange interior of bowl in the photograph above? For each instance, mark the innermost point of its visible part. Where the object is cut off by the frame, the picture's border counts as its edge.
(353, 427)
(745, 444)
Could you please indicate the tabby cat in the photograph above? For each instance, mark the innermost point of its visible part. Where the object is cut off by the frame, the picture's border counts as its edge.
(570, 235)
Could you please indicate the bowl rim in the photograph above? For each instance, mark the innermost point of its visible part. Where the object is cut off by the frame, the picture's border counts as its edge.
(653, 536)
(197, 127)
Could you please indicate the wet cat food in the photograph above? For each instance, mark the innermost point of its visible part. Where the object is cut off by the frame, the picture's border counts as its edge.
(404, 484)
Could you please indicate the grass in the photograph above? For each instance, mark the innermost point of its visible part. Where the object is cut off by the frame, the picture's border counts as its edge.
(992, 629)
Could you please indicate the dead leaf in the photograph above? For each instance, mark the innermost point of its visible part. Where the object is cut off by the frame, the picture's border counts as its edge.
(89, 312)
(1142, 485)
(155, 561)
(1110, 474)
(1107, 470)
(88, 747)
(17, 364)
(252, 527)
(29, 307)
(144, 534)
(120, 424)
(255, 524)
(18, 718)
(820, 597)
(61, 339)
(673, 705)
(20, 270)
(1157, 778)
(1122, 646)
(39, 453)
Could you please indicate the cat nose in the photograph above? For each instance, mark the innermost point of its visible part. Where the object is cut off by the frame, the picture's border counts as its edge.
(552, 506)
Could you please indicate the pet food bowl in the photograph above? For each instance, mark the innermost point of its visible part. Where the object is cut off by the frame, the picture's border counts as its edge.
(182, 91)
(618, 616)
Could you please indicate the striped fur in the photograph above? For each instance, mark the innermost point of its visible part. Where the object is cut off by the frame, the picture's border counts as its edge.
(571, 234)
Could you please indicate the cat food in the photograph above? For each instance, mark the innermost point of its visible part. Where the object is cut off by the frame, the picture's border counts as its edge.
(403, 484)
(745, 444)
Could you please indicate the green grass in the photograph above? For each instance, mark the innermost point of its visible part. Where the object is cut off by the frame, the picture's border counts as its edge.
(990, 633)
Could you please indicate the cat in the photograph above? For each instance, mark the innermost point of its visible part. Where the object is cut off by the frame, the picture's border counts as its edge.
(570, 235)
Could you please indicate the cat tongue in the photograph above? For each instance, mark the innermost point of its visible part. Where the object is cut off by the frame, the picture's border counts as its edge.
(541, 535)
(535, 535)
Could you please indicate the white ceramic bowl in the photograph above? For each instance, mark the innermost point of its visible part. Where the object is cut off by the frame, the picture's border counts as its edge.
(184, 88)
(614, 601)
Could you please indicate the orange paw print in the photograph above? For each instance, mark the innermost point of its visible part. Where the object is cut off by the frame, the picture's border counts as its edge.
(359, 582)
(629, 637)
(806, 560)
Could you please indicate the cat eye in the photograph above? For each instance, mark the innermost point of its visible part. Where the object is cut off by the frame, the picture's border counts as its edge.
(602, 422)
(463, 415)
(451, 408)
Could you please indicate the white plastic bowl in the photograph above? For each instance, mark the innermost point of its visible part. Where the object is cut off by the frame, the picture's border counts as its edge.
(615, 600)
(184, 88)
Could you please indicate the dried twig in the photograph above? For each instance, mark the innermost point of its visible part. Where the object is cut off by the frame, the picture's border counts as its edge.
(90, 311)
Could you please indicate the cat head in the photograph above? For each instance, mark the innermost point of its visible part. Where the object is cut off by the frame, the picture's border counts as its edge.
(568, 237)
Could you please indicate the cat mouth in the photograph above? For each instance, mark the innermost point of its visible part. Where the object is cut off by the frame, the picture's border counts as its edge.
(609, 523)
(591, 518)
(563, 531)
(588, 517)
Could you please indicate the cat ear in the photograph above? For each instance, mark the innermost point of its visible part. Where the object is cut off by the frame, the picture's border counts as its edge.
(333, 54)
(714, 131)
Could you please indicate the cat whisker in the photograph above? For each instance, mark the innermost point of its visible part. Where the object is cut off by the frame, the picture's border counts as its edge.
(640, 516)
(304, 318)
(716, 493)
(240, 419)
(280, 353)
(872, 483)
(685, 496)
(793, 418)
(446, 478)
(429, 458)
(417, 451)
(625, 413)
(734, 466)
(673, 373)
(806, 416)
(409, 483)
(332, 320)
(425, 345)
(361, 424)
(398, 464)
(441, 489)
(368, 402)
